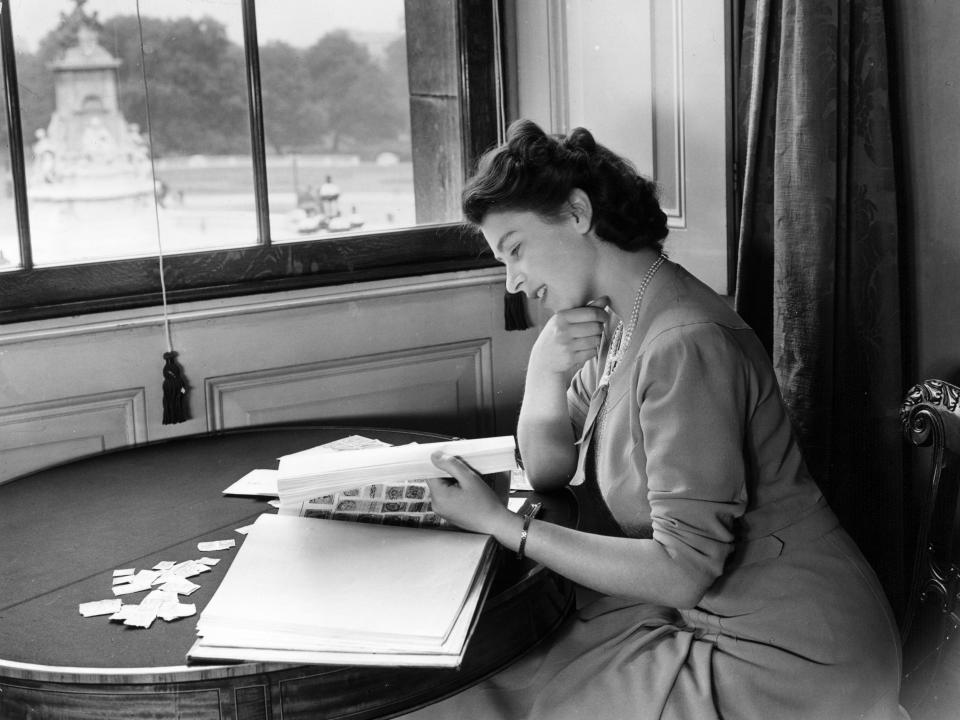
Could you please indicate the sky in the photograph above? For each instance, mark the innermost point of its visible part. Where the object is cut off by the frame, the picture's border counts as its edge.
(298, 22)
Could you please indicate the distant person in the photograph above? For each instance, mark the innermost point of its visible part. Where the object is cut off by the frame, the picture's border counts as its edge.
(328, 195)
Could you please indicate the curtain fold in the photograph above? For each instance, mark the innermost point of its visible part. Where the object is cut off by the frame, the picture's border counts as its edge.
(817, 262)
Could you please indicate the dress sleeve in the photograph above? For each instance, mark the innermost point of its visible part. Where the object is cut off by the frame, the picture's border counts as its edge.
(579, 393)
(692, 394)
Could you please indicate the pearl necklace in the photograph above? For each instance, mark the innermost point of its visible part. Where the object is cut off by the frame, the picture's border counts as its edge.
(621, 340)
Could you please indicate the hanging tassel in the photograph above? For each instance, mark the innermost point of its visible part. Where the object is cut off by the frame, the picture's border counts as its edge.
(515, 311)
(174, 391)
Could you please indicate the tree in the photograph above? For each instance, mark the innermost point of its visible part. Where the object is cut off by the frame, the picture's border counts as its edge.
(353, 89)
(291, 118)
(35, 86)
(195, 77)
(333, 94)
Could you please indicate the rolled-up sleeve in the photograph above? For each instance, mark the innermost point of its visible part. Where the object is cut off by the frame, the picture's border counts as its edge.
(692, 393)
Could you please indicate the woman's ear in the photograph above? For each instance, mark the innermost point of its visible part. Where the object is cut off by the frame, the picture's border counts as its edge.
(581, 210)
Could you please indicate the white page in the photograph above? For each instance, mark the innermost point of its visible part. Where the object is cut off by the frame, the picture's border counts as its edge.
(297, 574)
(260, 483)
(402, 462)
(203, 651)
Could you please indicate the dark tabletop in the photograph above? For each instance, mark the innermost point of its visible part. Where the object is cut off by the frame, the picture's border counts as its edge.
(64, 530)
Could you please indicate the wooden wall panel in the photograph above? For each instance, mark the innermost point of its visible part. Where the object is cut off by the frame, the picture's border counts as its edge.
(40, 434)
(427, 353)
(442, 388)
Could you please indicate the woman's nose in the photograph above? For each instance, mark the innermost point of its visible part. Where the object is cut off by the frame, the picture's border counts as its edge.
(514, 280)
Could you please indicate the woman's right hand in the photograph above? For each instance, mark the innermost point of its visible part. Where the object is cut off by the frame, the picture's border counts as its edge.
(569, 338)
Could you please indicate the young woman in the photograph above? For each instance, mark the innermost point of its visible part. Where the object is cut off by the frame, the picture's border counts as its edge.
(728, 590)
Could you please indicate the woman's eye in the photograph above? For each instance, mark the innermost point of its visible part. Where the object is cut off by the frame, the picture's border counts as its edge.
(515, 250)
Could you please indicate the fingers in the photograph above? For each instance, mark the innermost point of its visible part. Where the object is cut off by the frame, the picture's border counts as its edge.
(581, 330)
(586, 314)
(435, 484)
(580, 341)
(452, 464)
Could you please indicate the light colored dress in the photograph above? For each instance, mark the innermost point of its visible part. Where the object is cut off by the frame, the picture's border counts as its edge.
(693, 448)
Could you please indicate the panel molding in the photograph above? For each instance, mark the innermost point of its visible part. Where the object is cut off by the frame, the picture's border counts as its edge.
(668, 94)
(446, 388)
(37, 435)
(557, 67)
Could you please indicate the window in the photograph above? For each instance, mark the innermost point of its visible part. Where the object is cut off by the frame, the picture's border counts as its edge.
(257, 148)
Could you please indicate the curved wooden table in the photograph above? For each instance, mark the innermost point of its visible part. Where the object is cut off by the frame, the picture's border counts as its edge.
(65, 529)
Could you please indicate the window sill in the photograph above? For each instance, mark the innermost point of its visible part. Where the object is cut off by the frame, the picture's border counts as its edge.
(109, 321)
(50, 292)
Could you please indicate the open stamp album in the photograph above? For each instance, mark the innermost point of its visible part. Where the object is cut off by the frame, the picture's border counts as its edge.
(381, 483)
(390, 589)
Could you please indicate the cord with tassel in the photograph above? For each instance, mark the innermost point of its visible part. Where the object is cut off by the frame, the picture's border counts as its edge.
(174, 391)
(515, 311)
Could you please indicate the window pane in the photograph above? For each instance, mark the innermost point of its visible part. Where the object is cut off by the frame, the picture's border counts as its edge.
(9, 240)
(336, 117)
(102, 179)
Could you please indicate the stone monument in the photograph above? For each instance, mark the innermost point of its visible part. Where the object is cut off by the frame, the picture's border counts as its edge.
(88, 151)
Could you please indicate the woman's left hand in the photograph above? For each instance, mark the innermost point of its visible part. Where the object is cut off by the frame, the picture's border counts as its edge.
(465, 499)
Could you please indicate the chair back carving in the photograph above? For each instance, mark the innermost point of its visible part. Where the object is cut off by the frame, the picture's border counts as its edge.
(930, 417)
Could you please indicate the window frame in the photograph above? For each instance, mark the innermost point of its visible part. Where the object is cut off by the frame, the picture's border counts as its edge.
(31, 293)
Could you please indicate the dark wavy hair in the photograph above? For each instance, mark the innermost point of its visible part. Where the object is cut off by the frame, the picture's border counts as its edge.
(533, 171)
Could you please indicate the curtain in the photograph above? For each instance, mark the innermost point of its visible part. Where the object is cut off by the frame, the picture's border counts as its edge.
(817, 258)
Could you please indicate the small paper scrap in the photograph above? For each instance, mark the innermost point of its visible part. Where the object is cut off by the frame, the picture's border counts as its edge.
(131, 587)
(146, 576)
(100, 607)
(188, 568)
(259, 482)
(174, 611)
(179, 586)
(121, 614)
(160, 602)
(514, 504)
(159, 597)
(213, 545)
(519, 481)
(139, 616)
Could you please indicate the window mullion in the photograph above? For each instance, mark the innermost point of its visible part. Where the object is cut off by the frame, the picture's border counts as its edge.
(252, 59)
(481, 77)
(15, 133)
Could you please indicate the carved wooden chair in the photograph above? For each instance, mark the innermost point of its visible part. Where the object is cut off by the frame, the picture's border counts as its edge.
(930, 419)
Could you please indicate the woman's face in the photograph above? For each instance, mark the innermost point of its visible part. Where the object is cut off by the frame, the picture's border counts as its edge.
(550, 261)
